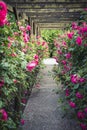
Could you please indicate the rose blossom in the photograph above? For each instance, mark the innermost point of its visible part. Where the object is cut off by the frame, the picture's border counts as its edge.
(67, 93)
(15, 81)
(64, 43)
(82, 80)
(74, 25)
(22, 121)
(74, 78)
(79, 40)
(85, 9)
(4, 115)
(31, 65)
(72, 104)
(3, 13)
(36, 56)
(68, 55)
(70, 35)
(80, 115)
(28, 27)
(64, 62)
(85, 109)
(22, 28)
(79, 95)
(26, 37)
(83, 126)
(23, 100)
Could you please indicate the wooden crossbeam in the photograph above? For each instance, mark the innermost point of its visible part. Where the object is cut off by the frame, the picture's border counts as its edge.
(39, 5)
(50, 14)
(34, 1)
(34, 11)
(56, 28)
(56, 19)
(56, 23)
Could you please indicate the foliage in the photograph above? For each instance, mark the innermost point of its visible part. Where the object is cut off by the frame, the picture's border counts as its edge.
(71, 54)
(17, 51)
(49, 36)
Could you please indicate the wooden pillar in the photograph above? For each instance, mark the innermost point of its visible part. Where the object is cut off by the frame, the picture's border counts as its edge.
(30, 23)
(33, 28)
(39, 32)
(16, 13)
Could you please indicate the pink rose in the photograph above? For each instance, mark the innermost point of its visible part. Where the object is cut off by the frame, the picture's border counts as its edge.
(4, 115)
(74, 25)
(31, 65)
(79, 95)
(15, 81)
(3, 13)
(26, 37)
(70, 35)
(68, 55)
(83, 126)
(74, 78)
(23, 100)
(22, 121)
(22, 28)
(85, 109)
(64, 62)
(80, 115)
(28, 27)
(72, 104)
(67, 93)
(43, 43)
(36, 56)
(79, 40)
(85, 9)
(82, 80)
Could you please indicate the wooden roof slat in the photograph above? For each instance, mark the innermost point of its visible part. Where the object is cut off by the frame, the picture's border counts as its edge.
(39, 5)
(34, 1)
(53, 14)
(58, 10)
(54, 21)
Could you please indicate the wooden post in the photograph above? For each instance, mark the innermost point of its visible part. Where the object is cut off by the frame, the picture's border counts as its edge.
(16, 13)
(33, 28)
(30, 23)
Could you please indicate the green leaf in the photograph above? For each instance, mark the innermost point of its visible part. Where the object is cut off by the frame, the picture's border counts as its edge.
(76, 86)
(1, 104)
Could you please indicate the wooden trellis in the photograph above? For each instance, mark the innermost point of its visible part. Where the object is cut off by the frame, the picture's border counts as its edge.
(49, 13)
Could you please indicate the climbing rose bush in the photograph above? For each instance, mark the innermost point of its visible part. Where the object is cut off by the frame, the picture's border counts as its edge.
(20, 60)
(71, 55)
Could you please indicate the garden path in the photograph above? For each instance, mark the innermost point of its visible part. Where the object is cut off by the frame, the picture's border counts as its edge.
(43, 112)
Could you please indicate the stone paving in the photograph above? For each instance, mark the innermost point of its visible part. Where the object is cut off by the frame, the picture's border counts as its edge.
(43, 112)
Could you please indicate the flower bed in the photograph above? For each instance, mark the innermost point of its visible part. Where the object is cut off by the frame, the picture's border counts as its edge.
(72, 69)
(20, 60)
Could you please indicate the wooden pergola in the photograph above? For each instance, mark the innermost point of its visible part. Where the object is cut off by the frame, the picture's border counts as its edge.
(48, 14)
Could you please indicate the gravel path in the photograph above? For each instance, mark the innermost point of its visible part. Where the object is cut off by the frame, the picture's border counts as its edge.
(43, 112)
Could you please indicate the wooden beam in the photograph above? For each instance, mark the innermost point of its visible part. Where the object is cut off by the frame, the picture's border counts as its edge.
(34, 1)
(50, 14)
(39, 5)
(51, 24)
(55, 20)
(58, 10)
(51, 28)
